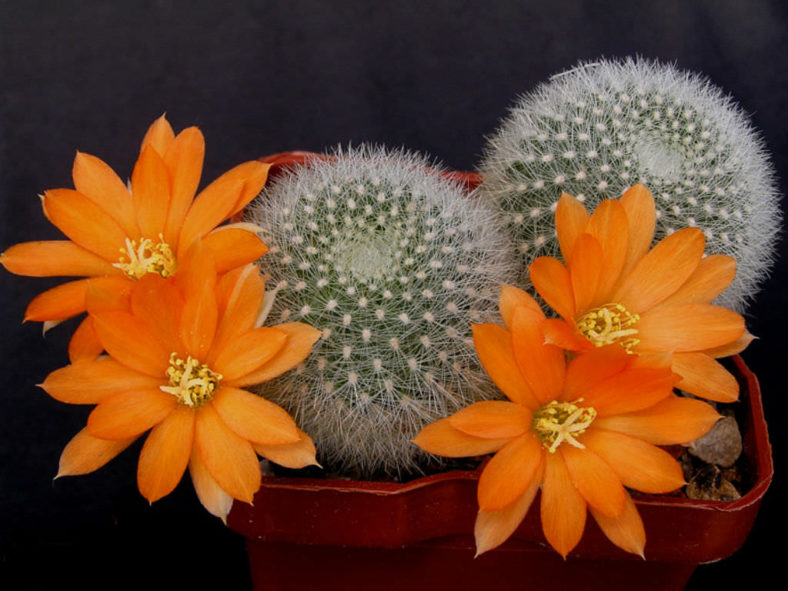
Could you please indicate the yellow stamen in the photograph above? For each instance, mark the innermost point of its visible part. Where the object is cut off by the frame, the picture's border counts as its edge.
(560, 422)
(191, 382)
(611, 323)
(146, 257)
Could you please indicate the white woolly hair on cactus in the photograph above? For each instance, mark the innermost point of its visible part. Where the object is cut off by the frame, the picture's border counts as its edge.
(601, 127)
(393, 263)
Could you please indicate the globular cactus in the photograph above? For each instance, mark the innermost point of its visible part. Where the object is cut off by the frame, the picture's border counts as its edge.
(597, 129)
(393, 263)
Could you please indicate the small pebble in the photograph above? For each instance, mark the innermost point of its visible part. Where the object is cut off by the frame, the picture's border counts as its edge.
(266, 468)
(709, 485)
(721, 446)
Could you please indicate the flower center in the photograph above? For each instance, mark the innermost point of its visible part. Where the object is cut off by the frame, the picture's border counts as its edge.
(146, 257)
(560, 422)
(611, 323)
(191, 382)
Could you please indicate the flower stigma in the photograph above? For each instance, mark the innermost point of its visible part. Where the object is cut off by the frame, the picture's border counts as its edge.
(191, 382)
(560, 422)
(608, 324)
(137, 260)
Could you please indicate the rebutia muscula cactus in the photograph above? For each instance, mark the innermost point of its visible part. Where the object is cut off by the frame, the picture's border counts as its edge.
(393, 263)
(597, 129)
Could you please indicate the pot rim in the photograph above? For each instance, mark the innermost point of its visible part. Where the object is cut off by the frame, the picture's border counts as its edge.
(283, 160)
(761, 454)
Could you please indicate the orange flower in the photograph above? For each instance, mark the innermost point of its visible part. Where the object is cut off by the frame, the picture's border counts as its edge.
(124, 233)
(581, 431)
(614, 289)
(179, 355)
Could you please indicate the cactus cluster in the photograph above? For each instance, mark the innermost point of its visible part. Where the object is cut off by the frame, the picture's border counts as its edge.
(599, 128)
(393, 263)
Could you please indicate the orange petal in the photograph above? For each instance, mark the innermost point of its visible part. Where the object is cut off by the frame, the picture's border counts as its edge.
(248, 351)
(552, 280)
(640, 465)
(662, 271)
(84, 344)
(128, 339)
(599, 485)
(541, 365)
(92, 381)
(571, 219)
(204, 216)
(211, 495)
(256, 175)
(60, 302)
(166, 454)
(609, 225)
(151, 192)
(585, 270)
(230, 459)
(702, 376)
(69, 299)
(158, 304)
(732, 348)
(658, 359)
(670, 421)
(159, 135)
(108, 293)
(493, 345)
(255, 418)
(184, 160)
(562, 334)
(85, 453)
(99, 183)
(300, 338)
(509, 473)
(290, 455)
(200, 314)
(84, 222)
(633, 389)
(641, 213)
(129, 414)
(218, 201)
(625, 530)
(236, 286)
(511, 298)
(492, 419)
(493, 528)
(54, 258)
(239, 296)
(234, 247)
(591, 368)
(714, 273)
(688, 327)
(441, 439)
(563, 509)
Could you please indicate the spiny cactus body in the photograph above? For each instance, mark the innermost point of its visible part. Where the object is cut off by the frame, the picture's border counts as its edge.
(597, 129)
(393, 263)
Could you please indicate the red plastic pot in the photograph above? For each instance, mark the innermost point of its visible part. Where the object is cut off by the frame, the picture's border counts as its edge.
(339, 534)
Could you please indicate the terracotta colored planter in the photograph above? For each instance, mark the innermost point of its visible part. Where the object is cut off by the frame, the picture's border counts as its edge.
(340, 534)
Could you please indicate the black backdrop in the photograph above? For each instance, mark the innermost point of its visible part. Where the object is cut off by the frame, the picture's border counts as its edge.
(262, 77)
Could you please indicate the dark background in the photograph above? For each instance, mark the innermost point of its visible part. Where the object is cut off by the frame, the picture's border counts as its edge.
(262, 77)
